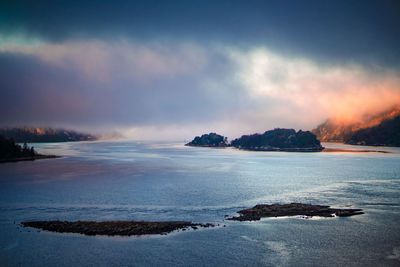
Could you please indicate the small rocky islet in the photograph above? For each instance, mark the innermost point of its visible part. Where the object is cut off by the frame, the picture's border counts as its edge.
(293, 209)
(115, 228)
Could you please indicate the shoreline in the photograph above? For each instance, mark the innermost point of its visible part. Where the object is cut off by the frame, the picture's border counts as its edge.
(266, 149)
(275, 149)
(330, 150)
(302, 150)
(36, 157)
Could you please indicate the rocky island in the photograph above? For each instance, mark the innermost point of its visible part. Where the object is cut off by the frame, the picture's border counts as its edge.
(293, 209)
(209, 140)
(11, 152)
(115, 228)
(287, 140)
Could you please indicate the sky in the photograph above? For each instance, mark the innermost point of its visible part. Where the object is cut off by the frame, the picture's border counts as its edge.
(176, 69)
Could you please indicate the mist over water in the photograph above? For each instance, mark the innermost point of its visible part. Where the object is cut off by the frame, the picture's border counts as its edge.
(167, 181)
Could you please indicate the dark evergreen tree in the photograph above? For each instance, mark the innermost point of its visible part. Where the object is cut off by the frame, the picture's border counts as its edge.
(10, 150)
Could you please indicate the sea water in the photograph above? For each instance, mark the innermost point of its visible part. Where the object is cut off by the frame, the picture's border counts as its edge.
(116, 180)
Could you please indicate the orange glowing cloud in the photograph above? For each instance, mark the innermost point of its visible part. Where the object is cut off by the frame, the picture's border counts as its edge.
(311, 92)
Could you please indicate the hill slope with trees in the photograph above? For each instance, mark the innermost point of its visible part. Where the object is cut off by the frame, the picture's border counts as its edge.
(386, 133)
(375, 129)
(43, 135)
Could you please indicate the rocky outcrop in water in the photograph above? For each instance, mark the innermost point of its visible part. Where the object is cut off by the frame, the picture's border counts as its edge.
(292, 209)
(114, 228)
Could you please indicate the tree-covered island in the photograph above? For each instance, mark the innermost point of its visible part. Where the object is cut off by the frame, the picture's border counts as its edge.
(280, 140)
(274, 140)
(209, 140)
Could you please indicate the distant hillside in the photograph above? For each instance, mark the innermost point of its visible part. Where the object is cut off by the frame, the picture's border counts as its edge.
(335, 130)
(279, 140)
(387, 133)
(209, 140)
(41, 135)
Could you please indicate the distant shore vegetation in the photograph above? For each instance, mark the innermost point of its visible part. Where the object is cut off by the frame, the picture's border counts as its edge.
(43, 135)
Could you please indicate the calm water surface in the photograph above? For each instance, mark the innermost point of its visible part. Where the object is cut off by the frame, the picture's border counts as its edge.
(159, 181)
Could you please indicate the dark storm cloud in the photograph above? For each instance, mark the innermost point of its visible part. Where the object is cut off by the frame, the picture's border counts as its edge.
(35, 92)
(361, 31)
(44, 93)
